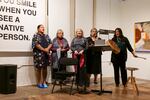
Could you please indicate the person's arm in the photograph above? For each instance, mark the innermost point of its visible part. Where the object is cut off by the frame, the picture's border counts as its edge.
(54, 49)
(38, 46)
(130, 48)
(50, 44)
(35, 43)
(48, 48)
(67, 47)
(86, 46)
(90, 43)
(73, 49)
(133, 53)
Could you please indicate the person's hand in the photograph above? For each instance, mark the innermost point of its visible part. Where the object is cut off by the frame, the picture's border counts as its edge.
(63, 49)
(76, 52)
(59, 49)
(81, 51)
(134, 55)
(46, 50)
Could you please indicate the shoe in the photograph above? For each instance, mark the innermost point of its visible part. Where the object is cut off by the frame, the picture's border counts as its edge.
(45, 86)
(125, 86)
(40, 86)
(95, 82)
(117, 85)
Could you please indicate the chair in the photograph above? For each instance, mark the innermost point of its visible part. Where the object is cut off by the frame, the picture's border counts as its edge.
(132, 78)
(61, 75)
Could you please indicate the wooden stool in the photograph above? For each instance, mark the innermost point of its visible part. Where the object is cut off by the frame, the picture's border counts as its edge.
(132, 78)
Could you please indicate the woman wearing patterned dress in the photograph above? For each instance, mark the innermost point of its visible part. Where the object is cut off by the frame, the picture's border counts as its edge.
(59, 49)
(41, 44)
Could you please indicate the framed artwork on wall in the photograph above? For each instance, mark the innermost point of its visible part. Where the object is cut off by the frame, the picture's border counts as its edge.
(142, 36)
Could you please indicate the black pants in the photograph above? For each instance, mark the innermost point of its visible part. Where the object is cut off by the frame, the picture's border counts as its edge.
(83, 79)
(53, 72)
(122, 67)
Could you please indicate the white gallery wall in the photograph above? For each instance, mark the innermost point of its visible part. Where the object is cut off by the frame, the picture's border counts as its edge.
(59, 17)
(84, 15)
(108, 14)
(133, 11)
(17, 25)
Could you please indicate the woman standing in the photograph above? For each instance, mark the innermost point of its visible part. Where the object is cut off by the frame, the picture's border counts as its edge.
(78, 46)
(41, 44)
(59, 49)
(93, 56)
(119, 60)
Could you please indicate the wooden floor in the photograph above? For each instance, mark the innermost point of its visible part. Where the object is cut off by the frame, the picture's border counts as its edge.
(118, 93)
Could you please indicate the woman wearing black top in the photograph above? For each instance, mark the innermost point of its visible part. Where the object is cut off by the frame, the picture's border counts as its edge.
(119, 60)
(93, 56)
